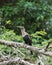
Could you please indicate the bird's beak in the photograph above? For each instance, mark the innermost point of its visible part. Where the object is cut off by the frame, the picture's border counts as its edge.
(19, 26)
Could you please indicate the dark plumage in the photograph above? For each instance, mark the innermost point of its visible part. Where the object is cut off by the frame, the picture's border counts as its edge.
(27, 40)
(25, 36)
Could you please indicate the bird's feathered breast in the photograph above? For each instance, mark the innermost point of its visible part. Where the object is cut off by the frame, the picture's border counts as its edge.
(27, 39)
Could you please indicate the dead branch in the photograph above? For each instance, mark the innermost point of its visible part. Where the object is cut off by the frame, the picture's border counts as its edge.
(34, 49)
(4, 58)
(47, 46)
(15, 61)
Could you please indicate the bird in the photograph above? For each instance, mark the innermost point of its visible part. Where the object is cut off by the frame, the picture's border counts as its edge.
(26, 36)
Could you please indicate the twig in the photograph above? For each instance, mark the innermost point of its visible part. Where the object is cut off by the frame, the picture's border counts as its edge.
(17, 44)
(47, 46)
(16, 61)
(40, 60)
(16, 51)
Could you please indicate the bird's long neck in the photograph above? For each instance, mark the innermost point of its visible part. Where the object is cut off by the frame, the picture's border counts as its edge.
(23, 32)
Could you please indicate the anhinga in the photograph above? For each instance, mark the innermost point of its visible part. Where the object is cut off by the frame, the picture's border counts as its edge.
(25, 36)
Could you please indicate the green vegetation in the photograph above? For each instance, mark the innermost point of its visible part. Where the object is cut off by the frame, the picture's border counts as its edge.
(34, 15)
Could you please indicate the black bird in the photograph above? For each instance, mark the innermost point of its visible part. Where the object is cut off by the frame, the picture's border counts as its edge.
(25, 36)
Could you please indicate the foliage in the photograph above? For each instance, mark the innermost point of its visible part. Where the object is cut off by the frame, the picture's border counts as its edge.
(10, 35)
(32, 14)
(39, 37)
(49, 28)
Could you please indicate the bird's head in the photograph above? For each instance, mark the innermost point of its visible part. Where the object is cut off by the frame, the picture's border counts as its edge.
(21, 27)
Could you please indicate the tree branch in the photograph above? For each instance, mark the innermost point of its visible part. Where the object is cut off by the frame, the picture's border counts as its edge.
(15, 61)
(47, 46)
(34, 49)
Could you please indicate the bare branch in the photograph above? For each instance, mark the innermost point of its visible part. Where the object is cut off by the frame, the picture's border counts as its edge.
(34, 49)
(47, 46)
(5, 58)
(17, 61)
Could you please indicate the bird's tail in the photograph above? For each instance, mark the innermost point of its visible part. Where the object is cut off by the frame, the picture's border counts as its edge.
(31, 52)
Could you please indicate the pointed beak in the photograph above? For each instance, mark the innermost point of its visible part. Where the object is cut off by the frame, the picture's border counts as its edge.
(19, 26)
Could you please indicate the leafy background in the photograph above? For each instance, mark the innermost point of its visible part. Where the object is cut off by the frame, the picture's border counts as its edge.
(34, 15)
